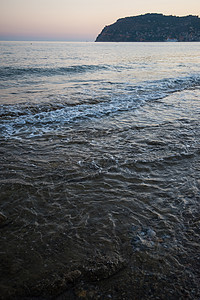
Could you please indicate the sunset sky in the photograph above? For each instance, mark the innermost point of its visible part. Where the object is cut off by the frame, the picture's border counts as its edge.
(77, 20)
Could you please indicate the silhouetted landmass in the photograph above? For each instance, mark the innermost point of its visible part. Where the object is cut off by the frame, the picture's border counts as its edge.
(152, 28)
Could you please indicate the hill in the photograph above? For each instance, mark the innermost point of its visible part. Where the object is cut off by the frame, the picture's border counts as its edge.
(152, 27)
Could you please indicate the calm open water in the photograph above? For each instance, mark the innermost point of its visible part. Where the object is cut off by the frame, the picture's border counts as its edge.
(100, 172)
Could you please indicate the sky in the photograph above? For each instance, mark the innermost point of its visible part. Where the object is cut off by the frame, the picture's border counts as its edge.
(77, 20)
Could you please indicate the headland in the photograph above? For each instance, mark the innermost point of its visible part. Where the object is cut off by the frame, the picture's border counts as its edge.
(152, 27)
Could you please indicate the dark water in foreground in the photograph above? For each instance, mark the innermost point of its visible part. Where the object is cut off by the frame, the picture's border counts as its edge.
(100, 171)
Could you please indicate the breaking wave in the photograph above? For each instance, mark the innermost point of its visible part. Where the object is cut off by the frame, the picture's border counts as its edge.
(34, 119)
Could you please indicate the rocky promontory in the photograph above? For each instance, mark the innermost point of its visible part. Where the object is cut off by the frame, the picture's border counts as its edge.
(152, 27)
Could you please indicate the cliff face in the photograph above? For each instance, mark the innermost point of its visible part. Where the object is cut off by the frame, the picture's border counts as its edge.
(152, 28)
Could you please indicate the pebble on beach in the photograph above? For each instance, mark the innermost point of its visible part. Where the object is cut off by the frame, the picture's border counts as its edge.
(3, 218)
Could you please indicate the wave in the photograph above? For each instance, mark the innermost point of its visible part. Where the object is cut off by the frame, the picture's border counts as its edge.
(13, 72)
(37, 119)
(165, 86)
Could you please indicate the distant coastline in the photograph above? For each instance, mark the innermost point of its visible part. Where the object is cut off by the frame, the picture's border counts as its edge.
(152, 27)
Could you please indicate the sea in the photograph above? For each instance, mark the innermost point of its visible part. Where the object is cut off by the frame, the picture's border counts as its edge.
(100, 170)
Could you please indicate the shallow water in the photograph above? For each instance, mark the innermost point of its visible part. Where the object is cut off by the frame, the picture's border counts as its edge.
(100, 170)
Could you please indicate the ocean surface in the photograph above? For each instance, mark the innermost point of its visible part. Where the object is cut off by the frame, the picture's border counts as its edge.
(100, 171)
